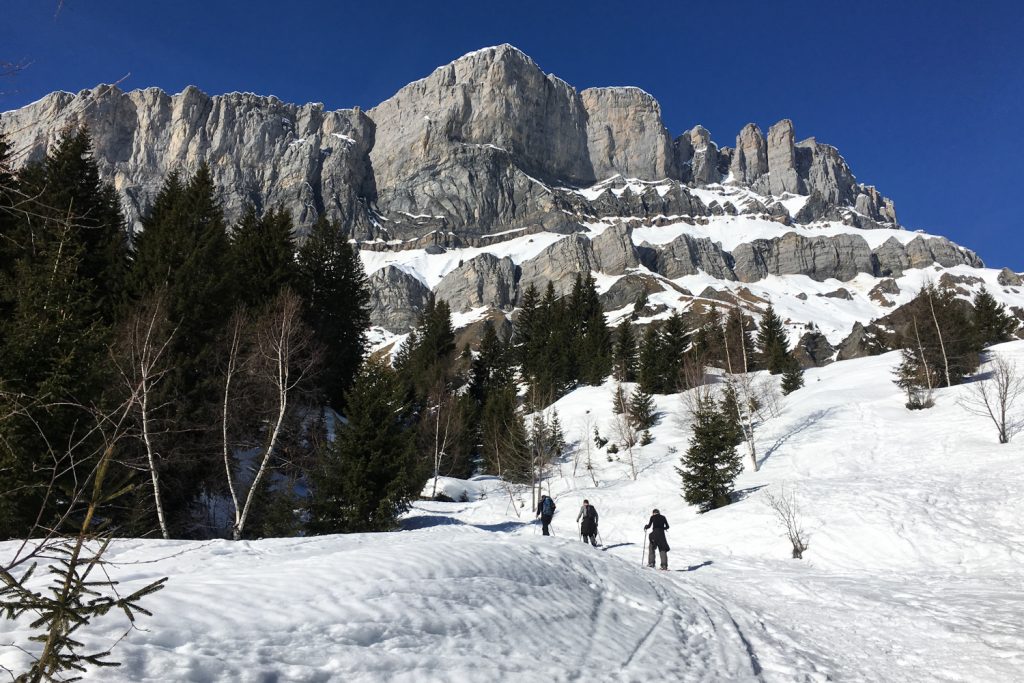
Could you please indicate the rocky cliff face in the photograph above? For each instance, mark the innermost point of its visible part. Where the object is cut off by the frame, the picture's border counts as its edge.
(489, 148)
(486, 144)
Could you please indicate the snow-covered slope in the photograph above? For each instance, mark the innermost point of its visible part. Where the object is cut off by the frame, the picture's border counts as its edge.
(914, 573)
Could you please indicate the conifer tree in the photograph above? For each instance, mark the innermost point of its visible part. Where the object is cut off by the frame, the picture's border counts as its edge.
(594, 346)
(915, 377)
(490, 367)
(336, 292)
(506, 445)
(739, 340)
(62, 259)
(183, 253)
(620, 404)
(429, 352)
(654, 373)
(711, 464)
(992, 324)
(772, 343)
(641, 409)
(939, 330)
(675, 339)
(262, 255)
(792, 376)
(368, 475)
(709, 341)
(65, 189)
(625, 353)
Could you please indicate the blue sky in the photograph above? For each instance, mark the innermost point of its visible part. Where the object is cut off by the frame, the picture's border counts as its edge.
(925, 99)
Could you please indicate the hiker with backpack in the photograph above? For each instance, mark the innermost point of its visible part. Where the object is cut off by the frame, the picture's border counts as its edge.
(658, 525)
(546, 510)
(588, 527)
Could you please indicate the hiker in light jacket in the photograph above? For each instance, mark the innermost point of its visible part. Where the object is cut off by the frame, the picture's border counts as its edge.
(658, 525)
(588, 527)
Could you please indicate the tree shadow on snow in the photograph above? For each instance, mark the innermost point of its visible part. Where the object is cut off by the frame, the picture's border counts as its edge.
(428, 521)
(695, 567)
(737, 496)
(801, 426)
(616, 545)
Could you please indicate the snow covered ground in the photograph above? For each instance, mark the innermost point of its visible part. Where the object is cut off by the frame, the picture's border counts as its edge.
(915, 570)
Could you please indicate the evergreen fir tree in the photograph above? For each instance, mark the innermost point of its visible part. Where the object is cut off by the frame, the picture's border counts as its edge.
(654, 373)
(262, 256)
(709, 341)
(368, 475)
(625, 353)
(772, 343)
(429, 353)
(675, 339)
(183, 253)
(594, 348)
(938, 324)
(65, 189)
(641, 410)
(490, 367)
(336, 293)
(792, 376)
(506, 445)
(740, 341)
(992, 324)
(620, 404)
(62, 262)
(711, 463)
(729, 406)
(913, 376)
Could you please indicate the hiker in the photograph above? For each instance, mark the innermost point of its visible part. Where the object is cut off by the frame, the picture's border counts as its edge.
(659, 525)
(546, 510)
(588, 528)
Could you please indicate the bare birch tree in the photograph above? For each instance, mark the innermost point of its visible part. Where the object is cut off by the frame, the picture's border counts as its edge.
(996, 396)
(142, 364)
(282, 357)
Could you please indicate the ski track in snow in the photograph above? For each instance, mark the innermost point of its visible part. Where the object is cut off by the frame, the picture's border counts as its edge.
(915, 570)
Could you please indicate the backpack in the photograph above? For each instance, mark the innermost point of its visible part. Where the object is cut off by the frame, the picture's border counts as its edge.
(547, 506)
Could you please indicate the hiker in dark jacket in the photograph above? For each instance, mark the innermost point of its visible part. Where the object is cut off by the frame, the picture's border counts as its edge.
(546, 510)
(658, 525)
(588, 528)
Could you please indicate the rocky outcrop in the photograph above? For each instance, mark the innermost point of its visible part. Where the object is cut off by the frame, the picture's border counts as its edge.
(628, 289)
(704, 157)
(260, 150)
(558, 264)
(813, 349)
(496, 96)
(1008, 278)
(783, 176)
(892, 257)
(626, 136)
(687, 255)
(820, 258)
(750, 158)
(396, 299)
(613, 250)
(482, 281)
(824, 172)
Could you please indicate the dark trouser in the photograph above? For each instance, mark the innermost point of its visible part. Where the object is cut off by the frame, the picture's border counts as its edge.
(545, 520)
(592, 538)
(664, 556)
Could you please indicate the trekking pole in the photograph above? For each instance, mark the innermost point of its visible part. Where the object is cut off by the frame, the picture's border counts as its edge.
(643, 557)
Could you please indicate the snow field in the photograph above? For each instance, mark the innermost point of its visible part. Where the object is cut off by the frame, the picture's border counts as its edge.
(915, 568)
